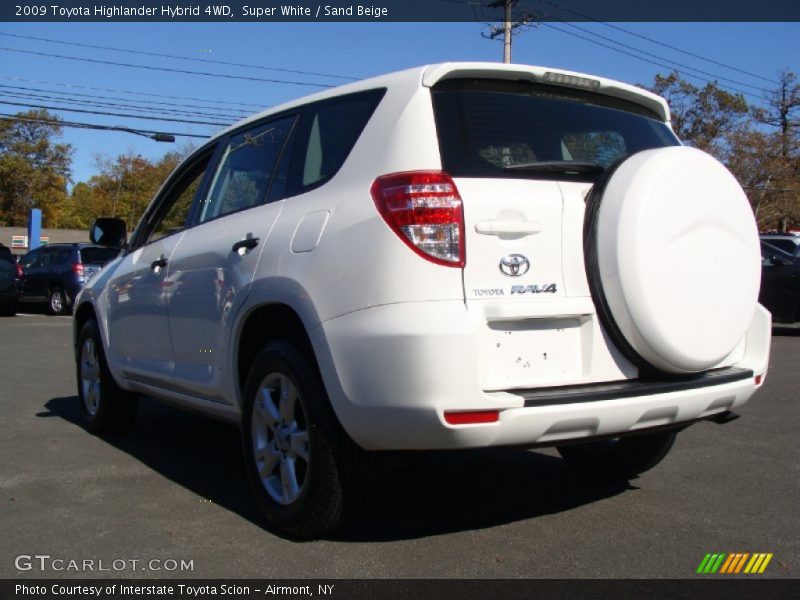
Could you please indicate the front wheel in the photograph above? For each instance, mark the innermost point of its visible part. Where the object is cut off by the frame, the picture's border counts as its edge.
(105, 407)
(308, 476)
(619, 458)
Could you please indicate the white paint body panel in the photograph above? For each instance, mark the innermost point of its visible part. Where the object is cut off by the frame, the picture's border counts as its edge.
(209, 284)
(139, 345)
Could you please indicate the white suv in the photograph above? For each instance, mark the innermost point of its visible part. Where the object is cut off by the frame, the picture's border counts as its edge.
(453, 256)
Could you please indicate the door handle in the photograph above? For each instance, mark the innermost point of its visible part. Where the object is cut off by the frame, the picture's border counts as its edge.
(497, 227)
(245, 244)
(159, 264)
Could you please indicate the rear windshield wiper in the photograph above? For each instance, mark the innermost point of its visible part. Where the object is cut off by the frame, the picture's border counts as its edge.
(564, 167)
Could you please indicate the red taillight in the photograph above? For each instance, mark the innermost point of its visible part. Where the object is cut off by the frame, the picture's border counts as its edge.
(19, 270)
(77, 268)
(758, 379)
(471, 417)
(424, 209)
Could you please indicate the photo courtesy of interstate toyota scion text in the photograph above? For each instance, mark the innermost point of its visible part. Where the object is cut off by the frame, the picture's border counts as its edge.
(454, 256)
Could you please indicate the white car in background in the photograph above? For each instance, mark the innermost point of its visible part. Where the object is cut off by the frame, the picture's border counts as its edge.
(454, 256)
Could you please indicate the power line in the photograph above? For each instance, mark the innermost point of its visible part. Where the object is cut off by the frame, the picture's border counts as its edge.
(663, 44)
(645, 53)
(666, 66)
(131, 92)
(111, 114)
(716, 78)
(166, 69)
(191, 58)
(79, 125)
(242, 113)
(100, 104)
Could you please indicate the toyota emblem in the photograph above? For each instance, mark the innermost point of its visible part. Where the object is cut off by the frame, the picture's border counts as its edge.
(514, 265)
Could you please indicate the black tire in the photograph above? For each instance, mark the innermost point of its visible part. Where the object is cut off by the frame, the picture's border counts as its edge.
(105, 407)
(332, 481)
(9, 309)
(58, 302)
(619, 458)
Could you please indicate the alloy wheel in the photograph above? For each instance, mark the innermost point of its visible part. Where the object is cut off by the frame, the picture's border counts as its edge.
(56, 301)
(280, 438)
(90, 376)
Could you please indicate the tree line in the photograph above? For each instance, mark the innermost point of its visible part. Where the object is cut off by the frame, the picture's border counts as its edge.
(759, 144)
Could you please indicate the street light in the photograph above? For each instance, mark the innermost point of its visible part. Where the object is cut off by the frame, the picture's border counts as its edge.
(153, 135)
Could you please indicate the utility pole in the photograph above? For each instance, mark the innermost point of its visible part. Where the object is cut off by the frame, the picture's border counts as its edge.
(507, 30)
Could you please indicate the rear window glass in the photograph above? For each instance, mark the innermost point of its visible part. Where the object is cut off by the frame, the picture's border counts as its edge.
(485, 127)
(98, 256)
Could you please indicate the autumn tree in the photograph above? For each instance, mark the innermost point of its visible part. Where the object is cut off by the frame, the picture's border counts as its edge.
(34, 169)
(123, 187)
(779, 192)
(705, 117)
(758, 144)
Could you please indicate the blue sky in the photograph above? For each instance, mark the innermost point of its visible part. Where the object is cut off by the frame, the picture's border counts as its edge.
(347, 49)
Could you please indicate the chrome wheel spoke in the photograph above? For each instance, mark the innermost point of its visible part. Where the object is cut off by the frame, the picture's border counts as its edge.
(266, 460)
(299, 444)
(288, 398)
(289, 485)
(90, 377)
(266, 410)
(280, 438)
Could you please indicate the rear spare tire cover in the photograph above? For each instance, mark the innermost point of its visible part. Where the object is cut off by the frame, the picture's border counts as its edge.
(673, 258)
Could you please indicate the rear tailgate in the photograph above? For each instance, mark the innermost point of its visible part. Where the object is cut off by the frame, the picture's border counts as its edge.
(524, 278)
(95, 257)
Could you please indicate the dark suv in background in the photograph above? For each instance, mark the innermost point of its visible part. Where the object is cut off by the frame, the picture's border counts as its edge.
(56, 273)
(8, 282)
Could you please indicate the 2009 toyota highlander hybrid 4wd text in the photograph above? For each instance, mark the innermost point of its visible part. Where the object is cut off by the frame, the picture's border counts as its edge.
(453, 256)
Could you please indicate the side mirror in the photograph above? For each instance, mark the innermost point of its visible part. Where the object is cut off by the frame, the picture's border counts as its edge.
(108, 231)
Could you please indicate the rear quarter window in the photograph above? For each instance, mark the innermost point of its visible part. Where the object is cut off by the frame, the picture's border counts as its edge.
(486, 125)
(327, 133)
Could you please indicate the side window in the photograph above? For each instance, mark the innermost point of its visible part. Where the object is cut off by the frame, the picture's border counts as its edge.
(62, 256)
(326, 136)
(784, 245)
(30, 259)
(44, 259)
(173, 215)
(246, 169)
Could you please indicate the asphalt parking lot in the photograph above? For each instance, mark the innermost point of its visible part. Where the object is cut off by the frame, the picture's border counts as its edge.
(174, 489)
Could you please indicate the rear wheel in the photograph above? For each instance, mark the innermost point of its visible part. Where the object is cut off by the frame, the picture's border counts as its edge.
(308, 476)
(619, 458)
(105, 407)
(58, 303)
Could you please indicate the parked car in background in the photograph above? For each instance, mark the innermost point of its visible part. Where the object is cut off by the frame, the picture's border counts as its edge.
(8, 284)
(780, 284)
(56, 273)
(5, 254)
(788, 242)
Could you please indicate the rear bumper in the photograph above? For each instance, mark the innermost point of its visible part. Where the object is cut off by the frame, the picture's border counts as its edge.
(393, 371)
